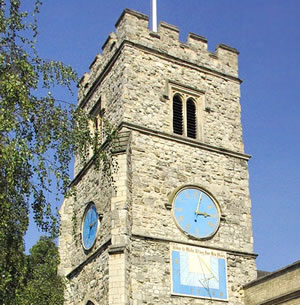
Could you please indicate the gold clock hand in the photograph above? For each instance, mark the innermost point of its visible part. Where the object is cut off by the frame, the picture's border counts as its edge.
(198, 205)
(203, 214)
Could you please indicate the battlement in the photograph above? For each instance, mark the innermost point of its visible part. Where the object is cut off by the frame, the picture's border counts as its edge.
(132, 27)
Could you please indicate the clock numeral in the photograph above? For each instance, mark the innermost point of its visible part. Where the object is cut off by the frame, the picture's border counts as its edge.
(221, 294)
(211, 224)
(196, 194)
(187, 195)
(176, 261)
(213, 293)
(181, 218)
(210, 206)
(178, 209)
(188, 226)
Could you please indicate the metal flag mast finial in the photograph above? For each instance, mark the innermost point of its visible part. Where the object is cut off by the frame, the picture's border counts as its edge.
(154, 16)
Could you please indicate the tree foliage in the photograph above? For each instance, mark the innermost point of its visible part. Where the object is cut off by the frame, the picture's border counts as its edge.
(38, 137)
(41, 284)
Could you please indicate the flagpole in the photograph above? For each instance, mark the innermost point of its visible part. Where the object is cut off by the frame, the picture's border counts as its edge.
(154, 16)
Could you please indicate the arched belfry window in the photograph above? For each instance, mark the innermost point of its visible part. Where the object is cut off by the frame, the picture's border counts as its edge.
(186, 106)
(185, 116)
(191, 119)
(89, 303)
(177, 115)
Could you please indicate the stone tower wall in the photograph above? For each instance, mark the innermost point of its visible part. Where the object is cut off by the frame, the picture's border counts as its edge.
(160, 167)
(135, 78)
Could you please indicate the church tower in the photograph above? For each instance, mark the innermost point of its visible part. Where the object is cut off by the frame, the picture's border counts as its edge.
(174, 226)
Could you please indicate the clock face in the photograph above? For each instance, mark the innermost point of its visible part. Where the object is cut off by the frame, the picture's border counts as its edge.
(196, 213)
(89, 227)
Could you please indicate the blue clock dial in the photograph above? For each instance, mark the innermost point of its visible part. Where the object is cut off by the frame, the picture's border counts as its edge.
(196, 213)
(89, 227)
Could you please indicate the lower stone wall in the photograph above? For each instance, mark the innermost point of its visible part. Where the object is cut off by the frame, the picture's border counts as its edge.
(150, 280)
(89, 282)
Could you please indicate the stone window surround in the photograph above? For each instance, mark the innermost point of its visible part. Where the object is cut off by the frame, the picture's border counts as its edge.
(97, 113)
(185, 93)
(96, 121)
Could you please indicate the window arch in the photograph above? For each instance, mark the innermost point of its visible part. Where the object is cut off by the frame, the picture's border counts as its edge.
(177, 115)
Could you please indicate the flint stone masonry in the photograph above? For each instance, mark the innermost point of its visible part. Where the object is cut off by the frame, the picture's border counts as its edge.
(92, 281)
(135, 79)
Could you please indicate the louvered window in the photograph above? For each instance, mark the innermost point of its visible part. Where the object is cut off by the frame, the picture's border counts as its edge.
(191, 119)
(177, 115)
(185, 116)
(187, 110)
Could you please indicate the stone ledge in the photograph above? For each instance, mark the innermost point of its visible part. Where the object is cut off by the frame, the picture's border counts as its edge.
(169, 240)
(169, 26)
(95, 254)
(184, 140)
(111, 36)
(163, 135)
(120, 144)
(228, 48)
(183, 88)
(133, 13)
(197, 37)
(94, 61)
(116, 249)
(155, 35)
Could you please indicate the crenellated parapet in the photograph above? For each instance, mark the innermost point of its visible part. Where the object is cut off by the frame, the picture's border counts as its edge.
(132, 27)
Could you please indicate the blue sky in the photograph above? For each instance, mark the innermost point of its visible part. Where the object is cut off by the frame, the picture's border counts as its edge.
(266, 32)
